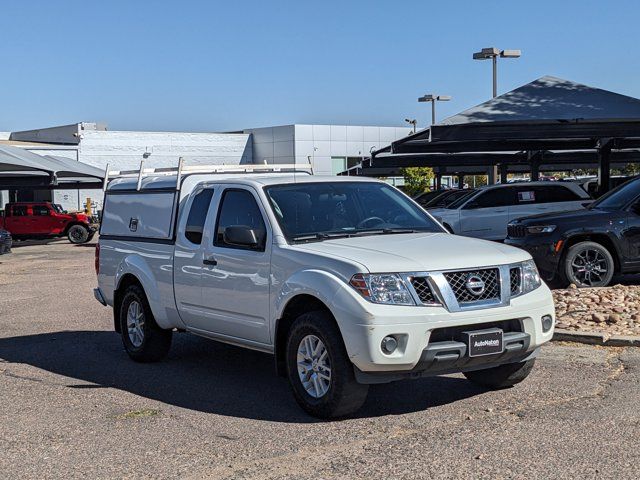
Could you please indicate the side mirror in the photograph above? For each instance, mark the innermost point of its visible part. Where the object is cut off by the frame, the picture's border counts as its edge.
(241, 236)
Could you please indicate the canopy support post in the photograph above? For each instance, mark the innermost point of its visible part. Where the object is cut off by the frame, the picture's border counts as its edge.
(604, 165)
(535, 159)
(504, 171)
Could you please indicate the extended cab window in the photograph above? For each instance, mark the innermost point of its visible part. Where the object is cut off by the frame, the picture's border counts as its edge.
(239, 209)
(197, 216)
(40, 210)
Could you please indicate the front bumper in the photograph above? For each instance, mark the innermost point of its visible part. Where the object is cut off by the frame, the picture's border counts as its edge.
(543, 251)
(414, 327)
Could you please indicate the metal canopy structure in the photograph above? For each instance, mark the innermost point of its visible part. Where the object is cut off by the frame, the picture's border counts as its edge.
(21, 169)
(550, 123)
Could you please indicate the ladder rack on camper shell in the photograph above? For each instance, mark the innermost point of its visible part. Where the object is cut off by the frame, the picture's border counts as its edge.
(182, 169)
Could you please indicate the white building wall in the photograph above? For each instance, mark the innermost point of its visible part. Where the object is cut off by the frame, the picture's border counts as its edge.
(319, 143)
(273, 144)
(322, 142)
(123, 150)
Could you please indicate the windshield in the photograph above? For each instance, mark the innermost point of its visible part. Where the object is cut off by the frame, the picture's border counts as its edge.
(318, 211)
(57, 207)
(460, 200)
(619, 197)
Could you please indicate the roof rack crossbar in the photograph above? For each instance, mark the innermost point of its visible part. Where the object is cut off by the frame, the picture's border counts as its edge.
(185, 169)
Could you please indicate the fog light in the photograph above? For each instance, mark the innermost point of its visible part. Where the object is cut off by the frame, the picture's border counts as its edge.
(389, 345)
(547, 323)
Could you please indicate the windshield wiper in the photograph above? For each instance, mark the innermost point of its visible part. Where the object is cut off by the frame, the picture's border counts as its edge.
(385, 231)
(320, 236)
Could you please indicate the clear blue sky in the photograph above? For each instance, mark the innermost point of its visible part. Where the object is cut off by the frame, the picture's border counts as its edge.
(216, 66)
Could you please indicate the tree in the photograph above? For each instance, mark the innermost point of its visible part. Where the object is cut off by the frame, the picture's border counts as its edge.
(417, 179)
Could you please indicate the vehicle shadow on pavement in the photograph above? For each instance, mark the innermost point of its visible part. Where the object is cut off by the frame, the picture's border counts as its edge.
(207, 376)
(37, 242)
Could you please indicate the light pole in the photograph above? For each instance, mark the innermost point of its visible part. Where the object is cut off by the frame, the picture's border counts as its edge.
(412, 122)
(433, 99)
(493, 54)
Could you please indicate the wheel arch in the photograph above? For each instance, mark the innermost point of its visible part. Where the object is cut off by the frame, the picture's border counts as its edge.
(296, 306)
(126, 281)
(71, 224)
(135, 267)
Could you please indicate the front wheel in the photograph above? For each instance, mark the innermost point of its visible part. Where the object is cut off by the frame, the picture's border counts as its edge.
(319, 370)
(78, 234)
(143, 339)
(588, 264)
(502, 376)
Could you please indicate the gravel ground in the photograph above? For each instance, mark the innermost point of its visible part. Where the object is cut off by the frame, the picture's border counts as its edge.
(612, 310)
(74, 406)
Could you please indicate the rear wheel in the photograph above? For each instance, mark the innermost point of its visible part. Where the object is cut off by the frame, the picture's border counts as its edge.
(78, 234)
(142, 338)
(319, 370)
(503, 376)
(588, 264)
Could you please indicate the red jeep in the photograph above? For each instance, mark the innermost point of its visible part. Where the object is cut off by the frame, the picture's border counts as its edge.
(45, 220)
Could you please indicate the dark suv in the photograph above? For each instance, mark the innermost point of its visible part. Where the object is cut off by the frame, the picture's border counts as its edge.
(585, 247)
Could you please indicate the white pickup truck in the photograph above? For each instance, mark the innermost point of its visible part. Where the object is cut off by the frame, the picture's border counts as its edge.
(346, 281)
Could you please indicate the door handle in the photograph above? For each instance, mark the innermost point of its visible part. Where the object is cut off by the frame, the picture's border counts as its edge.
(210, 261)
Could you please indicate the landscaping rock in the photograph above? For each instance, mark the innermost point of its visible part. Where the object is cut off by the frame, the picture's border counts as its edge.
(610, 311)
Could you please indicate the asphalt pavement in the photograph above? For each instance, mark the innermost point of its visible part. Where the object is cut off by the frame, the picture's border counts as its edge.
(72, 405)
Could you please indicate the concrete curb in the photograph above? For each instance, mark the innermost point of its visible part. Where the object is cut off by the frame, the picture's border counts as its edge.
(592, 338)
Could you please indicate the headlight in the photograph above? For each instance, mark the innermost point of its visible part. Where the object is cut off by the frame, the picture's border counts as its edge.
(541, 229)
(387, 288)
(530, 276)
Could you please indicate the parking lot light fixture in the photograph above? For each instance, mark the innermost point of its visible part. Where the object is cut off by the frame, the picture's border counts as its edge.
(492, 54)
(433, 99)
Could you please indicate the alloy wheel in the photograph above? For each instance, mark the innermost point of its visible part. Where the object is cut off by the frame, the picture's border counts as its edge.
(314, 366)
(589, 267)
(135, 323)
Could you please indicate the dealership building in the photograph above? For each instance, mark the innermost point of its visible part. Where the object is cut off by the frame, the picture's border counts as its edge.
(330, 149)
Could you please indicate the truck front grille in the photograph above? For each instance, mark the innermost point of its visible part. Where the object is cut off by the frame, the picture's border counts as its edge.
(461, 284)
(422, 288)
(515, 275)
(516, 231)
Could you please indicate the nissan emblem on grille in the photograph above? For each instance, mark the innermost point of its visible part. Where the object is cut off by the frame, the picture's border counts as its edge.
(475, 285)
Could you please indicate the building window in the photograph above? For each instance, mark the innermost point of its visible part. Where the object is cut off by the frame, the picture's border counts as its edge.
(340, 164)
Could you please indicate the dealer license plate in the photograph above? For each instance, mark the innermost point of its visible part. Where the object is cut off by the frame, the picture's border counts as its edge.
(484, 342)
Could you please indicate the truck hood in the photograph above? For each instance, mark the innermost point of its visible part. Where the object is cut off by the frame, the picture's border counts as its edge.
(417, 252)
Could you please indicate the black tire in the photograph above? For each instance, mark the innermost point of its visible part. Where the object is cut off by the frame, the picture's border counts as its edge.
(344, 394)
(155, 342)
(78, 234)
(503, 376)
(594, 256)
